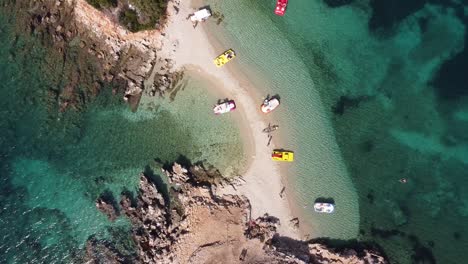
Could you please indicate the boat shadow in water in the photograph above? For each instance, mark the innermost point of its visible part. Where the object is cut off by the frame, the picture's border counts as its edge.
(325, 200)
(207, 7)
(222, 101)
(283, 150)
(275, 96)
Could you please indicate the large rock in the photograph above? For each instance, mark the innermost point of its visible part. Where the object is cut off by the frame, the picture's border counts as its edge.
(164, 225)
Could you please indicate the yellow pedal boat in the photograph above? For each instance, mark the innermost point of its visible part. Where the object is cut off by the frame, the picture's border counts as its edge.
(224, 58)
(282, 155)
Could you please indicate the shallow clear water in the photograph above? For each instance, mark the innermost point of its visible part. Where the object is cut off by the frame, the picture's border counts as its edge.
(390, 82)
(304, 123)
(54, 165)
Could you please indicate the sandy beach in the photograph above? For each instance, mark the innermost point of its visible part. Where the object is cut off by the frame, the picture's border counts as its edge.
(114, 142)
(193, 48)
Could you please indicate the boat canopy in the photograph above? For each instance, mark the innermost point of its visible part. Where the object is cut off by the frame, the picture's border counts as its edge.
(200, 15)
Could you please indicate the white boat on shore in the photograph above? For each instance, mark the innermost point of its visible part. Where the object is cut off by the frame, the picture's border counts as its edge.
(327, 208)
(225, 107)
(269, 105)
(200, 16)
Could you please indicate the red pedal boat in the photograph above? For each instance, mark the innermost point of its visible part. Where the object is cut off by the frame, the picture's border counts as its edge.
(281, 7)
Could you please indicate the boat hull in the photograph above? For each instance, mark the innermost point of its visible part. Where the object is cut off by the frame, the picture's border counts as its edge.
(278, 155)
(280, 9)
(225, 107)
(269, 105)
(224, 58)
(326, 208)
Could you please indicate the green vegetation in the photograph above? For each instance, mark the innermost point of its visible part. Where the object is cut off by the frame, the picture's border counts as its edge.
(142, 15)
(99, 4)
(129, 19)
(151, 10)
(147, 14)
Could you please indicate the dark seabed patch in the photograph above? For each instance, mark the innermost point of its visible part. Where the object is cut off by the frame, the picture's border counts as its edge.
(388, 14)
(338, 3)
(451, 82)
(408, 120)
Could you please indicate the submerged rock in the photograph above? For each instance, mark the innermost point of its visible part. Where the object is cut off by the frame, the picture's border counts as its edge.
(346, 102)
(107, 208)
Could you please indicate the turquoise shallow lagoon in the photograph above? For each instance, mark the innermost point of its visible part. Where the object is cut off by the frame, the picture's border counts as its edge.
(388, 78)
(54, 164)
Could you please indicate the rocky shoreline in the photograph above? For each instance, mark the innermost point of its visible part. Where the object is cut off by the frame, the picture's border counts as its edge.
(94, 51)
(186, 221)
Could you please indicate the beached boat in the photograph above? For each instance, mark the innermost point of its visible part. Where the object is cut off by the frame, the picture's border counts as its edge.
(269, 105)
(225, 107)
(224, 58)
(201, 15)
(327, 208)
(282, 155)
(281, 7)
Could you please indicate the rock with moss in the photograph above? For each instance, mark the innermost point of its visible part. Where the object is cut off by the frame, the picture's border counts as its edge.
(135, 15)
(100, 4)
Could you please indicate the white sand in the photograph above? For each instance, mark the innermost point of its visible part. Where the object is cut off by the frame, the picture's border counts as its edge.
(194, 48)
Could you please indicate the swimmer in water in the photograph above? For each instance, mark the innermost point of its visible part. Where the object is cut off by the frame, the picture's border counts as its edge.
(403, 180)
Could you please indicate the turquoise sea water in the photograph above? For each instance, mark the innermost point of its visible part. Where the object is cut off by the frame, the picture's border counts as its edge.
(386, 81)
(372, 91)
(53, 165)
(304, 122)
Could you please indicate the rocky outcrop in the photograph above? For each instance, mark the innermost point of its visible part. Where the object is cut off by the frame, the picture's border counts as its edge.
(97, 251)
(184, 221)
(155, 233)
(263, 228)
(323, 254)
(107, 208)
(91, 50)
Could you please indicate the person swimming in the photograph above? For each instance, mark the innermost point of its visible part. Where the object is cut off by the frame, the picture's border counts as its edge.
(403, 180)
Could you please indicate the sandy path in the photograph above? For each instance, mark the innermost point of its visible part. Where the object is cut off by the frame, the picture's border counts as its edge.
(191, 47)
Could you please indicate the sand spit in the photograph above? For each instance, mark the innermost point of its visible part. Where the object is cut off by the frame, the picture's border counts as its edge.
(193, 47)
